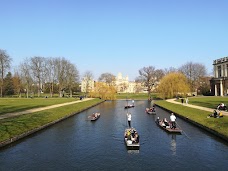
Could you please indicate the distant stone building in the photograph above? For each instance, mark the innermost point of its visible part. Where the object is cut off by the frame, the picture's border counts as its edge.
(123, 85)
(219, 83)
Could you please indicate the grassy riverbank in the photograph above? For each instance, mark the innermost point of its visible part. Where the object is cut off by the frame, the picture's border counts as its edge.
(8, 105)
(16, 126)
(219, 125)
(209, 102)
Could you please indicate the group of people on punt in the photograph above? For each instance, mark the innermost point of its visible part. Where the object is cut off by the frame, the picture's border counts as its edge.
(132, 135)
(95, 115)
(152, 109)
(166, 124)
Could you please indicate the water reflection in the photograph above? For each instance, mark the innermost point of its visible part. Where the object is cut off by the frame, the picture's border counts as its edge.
(132, 151)
(173, 144)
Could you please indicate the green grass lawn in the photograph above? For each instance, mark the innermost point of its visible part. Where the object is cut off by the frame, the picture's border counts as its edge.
(12, 127)
(8, 105)
(208, 101)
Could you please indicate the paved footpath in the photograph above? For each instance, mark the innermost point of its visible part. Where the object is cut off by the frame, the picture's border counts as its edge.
(196, 107)
(9, 115)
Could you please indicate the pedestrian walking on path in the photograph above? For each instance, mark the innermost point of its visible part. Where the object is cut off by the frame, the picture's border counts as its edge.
(186, 100)
(182, 101)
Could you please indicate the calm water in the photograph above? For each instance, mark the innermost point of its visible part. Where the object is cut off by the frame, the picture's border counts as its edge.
(79, 144)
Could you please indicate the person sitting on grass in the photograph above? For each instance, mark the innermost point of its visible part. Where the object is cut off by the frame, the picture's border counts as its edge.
(220, 115)
(221, 106)
(214, 114)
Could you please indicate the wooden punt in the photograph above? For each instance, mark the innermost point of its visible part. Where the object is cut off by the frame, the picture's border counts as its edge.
(95, 116)
(168, 128)
(131, 144)
(151, 112)
(128, 106)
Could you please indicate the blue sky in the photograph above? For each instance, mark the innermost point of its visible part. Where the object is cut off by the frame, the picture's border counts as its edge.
(116, 35)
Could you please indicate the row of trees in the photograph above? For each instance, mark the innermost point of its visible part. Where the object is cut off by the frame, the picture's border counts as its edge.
(38, 74)
(58, 75)
(169, 83)
(173, 82)
(189, 78)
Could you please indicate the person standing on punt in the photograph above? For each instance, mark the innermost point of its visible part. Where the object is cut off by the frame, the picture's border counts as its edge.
(173, 121)
(129, 119)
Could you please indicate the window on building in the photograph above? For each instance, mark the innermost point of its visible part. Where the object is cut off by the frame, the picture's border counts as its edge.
(226, 70)
(219, 71)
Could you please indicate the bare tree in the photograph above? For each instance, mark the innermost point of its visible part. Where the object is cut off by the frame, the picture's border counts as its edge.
(107, 78)
(25, 73)
(88, 80)
(37, 66)
(17, 83)
(149, 77)
(51, 72)
(72, 76)
(159, 73)
(5, 62)
(169, 70)
(194, 72)
(61, 70)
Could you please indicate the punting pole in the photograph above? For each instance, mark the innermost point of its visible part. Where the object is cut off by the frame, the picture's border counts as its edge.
(182, 130)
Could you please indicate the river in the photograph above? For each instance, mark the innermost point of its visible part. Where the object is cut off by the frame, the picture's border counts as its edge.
(79, 144)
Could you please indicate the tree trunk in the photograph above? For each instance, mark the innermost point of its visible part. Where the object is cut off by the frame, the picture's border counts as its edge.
(70, 92)
(1, 89)
(27, 92)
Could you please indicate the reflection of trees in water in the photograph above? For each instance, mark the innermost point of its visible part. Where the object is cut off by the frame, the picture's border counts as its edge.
(173, 144)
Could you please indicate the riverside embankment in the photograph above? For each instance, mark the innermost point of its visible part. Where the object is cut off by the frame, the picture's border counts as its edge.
(198, 116)
(15, 126)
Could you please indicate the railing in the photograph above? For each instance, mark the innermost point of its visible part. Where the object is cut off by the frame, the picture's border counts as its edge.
(221, 60)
